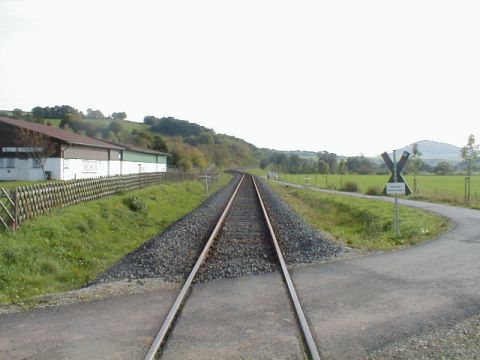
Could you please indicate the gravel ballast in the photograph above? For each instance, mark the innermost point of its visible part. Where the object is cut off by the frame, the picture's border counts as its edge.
(300, 242)
(243, 247)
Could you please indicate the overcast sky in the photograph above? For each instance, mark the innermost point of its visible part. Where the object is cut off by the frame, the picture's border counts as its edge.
(345, 76)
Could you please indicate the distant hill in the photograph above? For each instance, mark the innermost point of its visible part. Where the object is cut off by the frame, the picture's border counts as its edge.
(433, 152)
(301, 153)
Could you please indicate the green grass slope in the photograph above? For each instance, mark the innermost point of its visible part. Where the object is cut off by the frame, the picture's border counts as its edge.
(69, 247)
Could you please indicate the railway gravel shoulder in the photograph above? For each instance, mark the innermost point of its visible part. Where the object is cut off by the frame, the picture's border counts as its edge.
(300, 242)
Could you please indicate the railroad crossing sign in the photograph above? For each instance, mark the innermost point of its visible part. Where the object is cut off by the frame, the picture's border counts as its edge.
(396, 176)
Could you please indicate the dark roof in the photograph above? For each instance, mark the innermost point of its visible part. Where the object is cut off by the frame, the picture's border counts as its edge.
(68, 137)
(137, 149)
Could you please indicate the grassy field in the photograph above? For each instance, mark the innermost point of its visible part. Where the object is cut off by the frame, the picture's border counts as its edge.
(69, 247)
(361, 223)
(445, 189)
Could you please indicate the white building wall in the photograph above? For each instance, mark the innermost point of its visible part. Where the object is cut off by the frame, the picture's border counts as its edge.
(115, 167)
(84, 169)
(161, 168)
(68, 169)
(134, 167)
(24, 170)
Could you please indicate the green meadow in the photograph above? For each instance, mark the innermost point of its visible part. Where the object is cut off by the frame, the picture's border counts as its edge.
(445, 189)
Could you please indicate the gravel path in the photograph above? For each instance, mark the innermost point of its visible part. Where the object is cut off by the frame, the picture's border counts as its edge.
(243, 247)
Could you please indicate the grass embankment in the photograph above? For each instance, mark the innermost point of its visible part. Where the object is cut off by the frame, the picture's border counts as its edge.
(447, 189)
(12, 184)
(362, 223)
(69, 247)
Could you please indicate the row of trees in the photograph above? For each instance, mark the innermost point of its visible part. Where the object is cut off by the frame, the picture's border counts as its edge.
(324, 163)
(39, 113)
(330, 163)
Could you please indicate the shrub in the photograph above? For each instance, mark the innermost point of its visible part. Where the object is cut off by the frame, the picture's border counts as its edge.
(349, 187)
(134, 203)
(373, 190)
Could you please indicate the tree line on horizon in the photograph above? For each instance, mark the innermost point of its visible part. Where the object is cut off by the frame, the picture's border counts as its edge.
(331, 163)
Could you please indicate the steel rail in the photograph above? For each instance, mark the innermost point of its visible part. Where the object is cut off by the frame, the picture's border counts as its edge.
(167, 323)
(307, 334)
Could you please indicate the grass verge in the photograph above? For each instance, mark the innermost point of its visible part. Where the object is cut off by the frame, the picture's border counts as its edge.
(361, 223)
(67, 248)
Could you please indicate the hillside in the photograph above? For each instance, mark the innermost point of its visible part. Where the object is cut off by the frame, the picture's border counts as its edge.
(191, 145)
(301, 153)
(434, 152)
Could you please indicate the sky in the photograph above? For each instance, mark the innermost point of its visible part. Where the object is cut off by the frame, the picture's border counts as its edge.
(345, 76)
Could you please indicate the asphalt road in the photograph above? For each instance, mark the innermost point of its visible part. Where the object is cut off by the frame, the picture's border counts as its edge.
(359, 305)
(354, 306)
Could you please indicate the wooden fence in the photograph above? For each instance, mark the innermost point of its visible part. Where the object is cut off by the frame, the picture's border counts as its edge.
(27, 202)
(7, 209)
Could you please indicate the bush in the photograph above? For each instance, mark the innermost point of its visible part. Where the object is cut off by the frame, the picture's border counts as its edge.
(349, 187)
(373, 190)
(134, 203)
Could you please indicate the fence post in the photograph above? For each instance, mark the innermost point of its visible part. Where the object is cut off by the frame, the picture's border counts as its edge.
(15, 209)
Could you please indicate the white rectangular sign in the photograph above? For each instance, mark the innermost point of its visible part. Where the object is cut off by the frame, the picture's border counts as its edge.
(396, 188)
(21, 149)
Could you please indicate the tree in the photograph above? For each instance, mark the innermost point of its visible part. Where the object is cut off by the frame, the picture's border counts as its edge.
(159, 144)
(205, 138)
(17, 113)
(443, 168)
(141, 139)
(119, 115)
(416, 164)
(361, 165)
(264, 163)
(115, 126)
(342, 169)
(39, 113)
(330, 159)
(324, 168)
(94, 114)
(469, 154)
(38, 146)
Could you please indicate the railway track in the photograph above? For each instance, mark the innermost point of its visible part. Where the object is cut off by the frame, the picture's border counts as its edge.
(244, 222)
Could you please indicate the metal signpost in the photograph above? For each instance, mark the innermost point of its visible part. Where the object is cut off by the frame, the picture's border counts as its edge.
(396, 184)
(211, 167)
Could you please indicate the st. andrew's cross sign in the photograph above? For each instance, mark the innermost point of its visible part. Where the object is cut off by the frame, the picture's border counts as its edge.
(400, 166)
